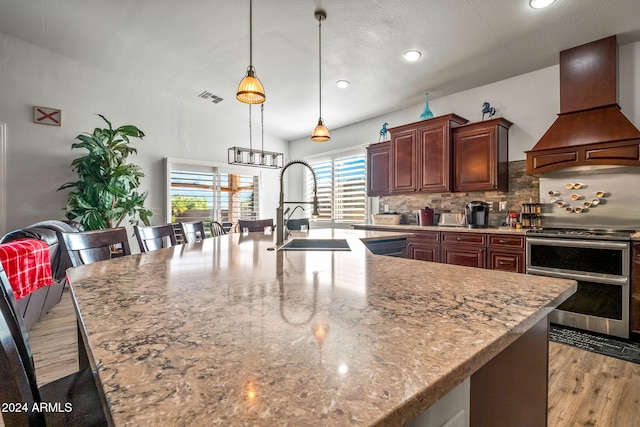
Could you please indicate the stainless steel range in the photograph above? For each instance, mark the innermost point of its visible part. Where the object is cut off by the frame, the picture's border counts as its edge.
(600, 261)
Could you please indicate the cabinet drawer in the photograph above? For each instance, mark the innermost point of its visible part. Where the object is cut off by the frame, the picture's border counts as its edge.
(512, 261)
(467, 238)
(503, 240)
(425, 236)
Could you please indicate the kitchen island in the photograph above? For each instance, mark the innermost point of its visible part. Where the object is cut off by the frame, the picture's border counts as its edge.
(229, 331)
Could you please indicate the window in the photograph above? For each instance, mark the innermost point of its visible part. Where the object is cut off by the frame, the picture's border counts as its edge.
(342, 195)
(206, 193)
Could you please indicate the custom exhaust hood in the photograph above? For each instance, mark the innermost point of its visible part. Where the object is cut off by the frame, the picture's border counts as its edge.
(590, 129)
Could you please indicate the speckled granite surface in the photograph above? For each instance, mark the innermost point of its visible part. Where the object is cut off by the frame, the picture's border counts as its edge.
(227, 332)
(413, 227)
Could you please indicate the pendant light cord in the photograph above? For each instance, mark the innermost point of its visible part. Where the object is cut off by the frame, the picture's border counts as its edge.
(262, 126)
(320, 63)
(250, 34)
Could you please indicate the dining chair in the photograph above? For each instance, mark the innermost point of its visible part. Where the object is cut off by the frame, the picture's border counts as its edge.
(85, 247)
(295, 224)
(17, 327)
(255, 225)
(217, 229)
(192, 231)
(156, 237)
(76, 395)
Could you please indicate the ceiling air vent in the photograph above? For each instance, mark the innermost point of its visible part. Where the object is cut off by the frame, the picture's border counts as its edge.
(210, 97)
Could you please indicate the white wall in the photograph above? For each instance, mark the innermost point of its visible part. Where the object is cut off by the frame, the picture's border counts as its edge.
(531, 101)
(38, 157)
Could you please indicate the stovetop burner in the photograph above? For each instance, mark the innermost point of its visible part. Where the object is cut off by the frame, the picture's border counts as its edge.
(582, 233)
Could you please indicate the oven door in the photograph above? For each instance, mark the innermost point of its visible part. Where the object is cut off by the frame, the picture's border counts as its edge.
(601, 268)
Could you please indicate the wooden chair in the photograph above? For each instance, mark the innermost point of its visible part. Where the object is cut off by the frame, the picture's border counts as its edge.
(77, 392)
(217, 229)
(155, 237)
(294, 224)
(85, 247)
(192, 231)
(255, 225)
(9, 309)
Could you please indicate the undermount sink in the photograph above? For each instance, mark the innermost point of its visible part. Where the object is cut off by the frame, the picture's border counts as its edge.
(316, 245)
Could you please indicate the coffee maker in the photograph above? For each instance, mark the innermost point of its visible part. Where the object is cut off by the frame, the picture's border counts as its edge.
(477, 214)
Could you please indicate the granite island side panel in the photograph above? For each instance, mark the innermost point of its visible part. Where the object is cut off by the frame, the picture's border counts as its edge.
(228, 332)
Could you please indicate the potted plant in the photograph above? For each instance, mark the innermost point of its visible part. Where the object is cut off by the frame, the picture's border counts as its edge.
(105, 192)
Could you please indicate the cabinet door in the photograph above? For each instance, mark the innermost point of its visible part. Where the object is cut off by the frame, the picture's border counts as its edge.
(465, 255)
(481, 156)
(435, 157)
(424, 251)
(403, 160)
(378, 162)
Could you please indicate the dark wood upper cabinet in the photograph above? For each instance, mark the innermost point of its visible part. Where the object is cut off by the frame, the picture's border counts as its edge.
(481, 155)
(378, 163)
(421, 155)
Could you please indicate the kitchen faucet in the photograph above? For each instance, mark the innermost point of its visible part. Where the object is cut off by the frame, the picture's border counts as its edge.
(281, 233)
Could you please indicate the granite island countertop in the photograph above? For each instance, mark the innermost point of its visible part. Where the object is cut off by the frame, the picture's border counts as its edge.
(229, 332)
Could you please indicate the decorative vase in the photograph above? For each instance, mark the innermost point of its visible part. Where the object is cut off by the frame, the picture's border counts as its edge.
(426, 114)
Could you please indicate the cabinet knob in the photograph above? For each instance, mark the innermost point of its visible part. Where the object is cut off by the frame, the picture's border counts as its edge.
(502, 241)
(458, 238)
(505, 262)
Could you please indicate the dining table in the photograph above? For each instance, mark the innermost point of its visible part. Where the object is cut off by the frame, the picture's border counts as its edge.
(235, 330)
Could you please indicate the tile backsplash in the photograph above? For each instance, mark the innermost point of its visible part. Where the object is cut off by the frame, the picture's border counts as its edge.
(523, 188)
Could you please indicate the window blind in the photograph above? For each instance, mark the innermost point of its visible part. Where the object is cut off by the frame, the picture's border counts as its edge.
(342, 195)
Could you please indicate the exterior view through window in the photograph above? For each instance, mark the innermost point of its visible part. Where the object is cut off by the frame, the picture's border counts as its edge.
(210, 194)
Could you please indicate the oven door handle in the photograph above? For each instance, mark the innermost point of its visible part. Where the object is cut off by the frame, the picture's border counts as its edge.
(611, 280)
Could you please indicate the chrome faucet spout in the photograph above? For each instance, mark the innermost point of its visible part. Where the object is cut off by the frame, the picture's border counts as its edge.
(281, 233)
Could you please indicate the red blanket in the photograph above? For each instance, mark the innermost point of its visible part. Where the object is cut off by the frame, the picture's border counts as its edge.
(27, 265)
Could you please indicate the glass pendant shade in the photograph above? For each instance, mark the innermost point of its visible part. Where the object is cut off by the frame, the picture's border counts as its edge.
(320, 133)
(250, 90)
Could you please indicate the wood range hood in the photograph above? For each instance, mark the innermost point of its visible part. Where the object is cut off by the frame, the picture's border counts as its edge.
(590, 129)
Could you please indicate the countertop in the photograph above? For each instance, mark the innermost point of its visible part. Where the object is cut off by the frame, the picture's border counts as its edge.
(415, 227)
(229, 332)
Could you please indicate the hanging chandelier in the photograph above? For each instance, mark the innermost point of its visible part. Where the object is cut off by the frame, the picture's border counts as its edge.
(250, 90)
(249, 156)
(320, 133)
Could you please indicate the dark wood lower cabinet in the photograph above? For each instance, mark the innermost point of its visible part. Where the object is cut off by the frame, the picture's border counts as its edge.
(466, 249)
(506, 253)
(424, 246)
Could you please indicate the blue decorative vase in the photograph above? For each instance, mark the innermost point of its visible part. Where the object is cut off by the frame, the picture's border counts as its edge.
(426, 114)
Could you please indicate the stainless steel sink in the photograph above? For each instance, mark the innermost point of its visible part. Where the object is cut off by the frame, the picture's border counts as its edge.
(316, 245)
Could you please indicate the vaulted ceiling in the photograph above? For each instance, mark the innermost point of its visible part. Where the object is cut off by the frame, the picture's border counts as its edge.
(184, 48)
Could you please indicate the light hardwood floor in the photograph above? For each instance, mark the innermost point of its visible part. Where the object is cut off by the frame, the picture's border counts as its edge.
(585, 389)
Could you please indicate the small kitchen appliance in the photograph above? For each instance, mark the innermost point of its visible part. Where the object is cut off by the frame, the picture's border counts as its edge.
(477, 214)
(425, 216)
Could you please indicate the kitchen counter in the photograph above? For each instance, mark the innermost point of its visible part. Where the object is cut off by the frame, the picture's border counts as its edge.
(415, 227)
(229, 331)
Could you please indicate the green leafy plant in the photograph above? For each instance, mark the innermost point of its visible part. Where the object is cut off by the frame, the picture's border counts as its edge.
(105, 192)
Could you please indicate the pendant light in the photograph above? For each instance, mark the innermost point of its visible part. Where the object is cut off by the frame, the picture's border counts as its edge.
(250, 90)
(320, 133)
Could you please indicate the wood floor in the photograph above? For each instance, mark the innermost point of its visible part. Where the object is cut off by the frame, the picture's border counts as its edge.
(585, 389)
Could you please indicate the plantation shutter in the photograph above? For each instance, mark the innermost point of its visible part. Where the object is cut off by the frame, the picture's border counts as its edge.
(342, 193)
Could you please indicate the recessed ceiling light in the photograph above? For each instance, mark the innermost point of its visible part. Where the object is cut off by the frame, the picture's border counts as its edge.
(342, 84)
(412, 55)
(540, 4)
